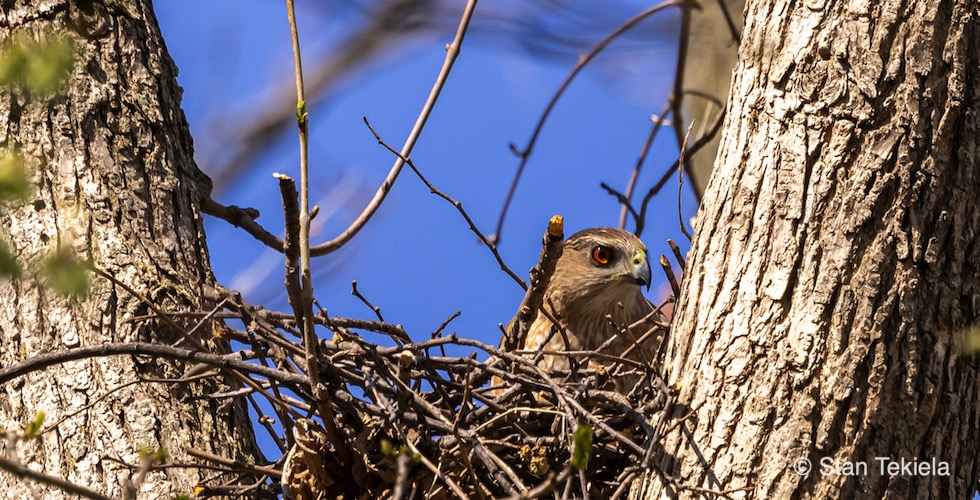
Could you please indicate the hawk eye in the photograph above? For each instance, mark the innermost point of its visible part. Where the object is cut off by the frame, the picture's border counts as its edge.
(602, 255)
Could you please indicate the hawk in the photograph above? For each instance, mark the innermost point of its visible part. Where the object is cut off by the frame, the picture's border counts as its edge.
(595, 294)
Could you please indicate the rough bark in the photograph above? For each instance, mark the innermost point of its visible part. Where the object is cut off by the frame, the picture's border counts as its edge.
(110, 160)
(836, 261)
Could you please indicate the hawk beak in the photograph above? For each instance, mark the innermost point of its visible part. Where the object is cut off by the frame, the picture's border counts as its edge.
(641, 269)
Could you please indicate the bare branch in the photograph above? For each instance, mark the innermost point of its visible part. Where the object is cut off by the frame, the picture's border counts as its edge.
(20, 470)
(584, 60)
(452, 52)
(552, 244)
(235, 360)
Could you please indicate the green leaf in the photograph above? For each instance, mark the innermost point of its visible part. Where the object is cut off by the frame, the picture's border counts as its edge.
(8, 263)
(387, 448)
(66, 274)
(301, 113)
(971, 340)
(582, 440)
(13, 176)
(39, 66)
(152, 455)
(33, 428)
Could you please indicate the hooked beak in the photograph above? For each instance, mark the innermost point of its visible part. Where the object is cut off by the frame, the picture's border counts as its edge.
(641, 269)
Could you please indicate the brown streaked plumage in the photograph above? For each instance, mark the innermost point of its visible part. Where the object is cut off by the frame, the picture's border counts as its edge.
(596, 294)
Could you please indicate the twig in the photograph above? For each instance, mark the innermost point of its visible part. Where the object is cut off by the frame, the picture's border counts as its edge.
(452, 52)
(234, 360)
(658, 121)
(669, 173)
(680, 182)
(736, 36)
(291, 246)
(670, 276)
(677, 254)
(677, 93)
(376, 309)
(243, 218)
(623, 200)
(584, 60)
(323, 400)
(459, 207)
(552, 244)
(20, 470)
(234, 464)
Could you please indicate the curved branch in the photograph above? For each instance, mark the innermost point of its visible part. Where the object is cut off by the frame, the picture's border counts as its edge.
(583, 61)
(229, 361)
(452, 52)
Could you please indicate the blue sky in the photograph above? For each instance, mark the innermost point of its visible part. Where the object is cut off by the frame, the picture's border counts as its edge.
(417, 259)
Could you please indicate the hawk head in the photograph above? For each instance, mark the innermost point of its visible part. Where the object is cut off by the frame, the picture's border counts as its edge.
(596, 289)
(595, 294)
(601, 266)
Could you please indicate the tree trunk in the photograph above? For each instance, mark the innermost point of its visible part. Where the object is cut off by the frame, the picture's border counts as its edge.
(836, 263)
(111, 166)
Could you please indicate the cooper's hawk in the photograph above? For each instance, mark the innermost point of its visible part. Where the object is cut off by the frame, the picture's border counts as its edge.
(596, 296)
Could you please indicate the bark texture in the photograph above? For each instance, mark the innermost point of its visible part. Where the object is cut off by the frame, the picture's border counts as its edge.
(110, 160)
(836, 261)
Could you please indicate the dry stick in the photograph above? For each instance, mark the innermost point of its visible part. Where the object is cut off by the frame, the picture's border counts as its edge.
(677, 254)
(552, 244)
(452, 52)
(264, 422)
(680, 182)
(583, 61)
(677, 93)
(376, 309)
(291, 249)
(736, 36)
(324, 401)
(670, 276)
(548, 312)
(624, 201)
(234, 464)
(20, 470)
(669, 173)
(644, 152)
(243, 218)
(459, 206)
(396, 332)
(235, 360)
(153, 307)
(184, 334)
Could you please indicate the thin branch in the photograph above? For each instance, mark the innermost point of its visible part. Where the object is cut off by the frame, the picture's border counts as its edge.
(736, 36)
(658, 122)
(234, 465)
(677, 254)
(243, 218)
(304, 309)
(376, 309)
(234, 360)
(670, 276)
(677, 93)
(680, 182)
(20, 470)
(459, 207)
(584, 60)
(552, 244)
(452, 52)
(669, 173)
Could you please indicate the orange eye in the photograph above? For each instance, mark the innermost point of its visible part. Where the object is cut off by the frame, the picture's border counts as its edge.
(601, 255)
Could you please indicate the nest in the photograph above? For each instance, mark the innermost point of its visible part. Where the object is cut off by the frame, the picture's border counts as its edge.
(406, 420)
